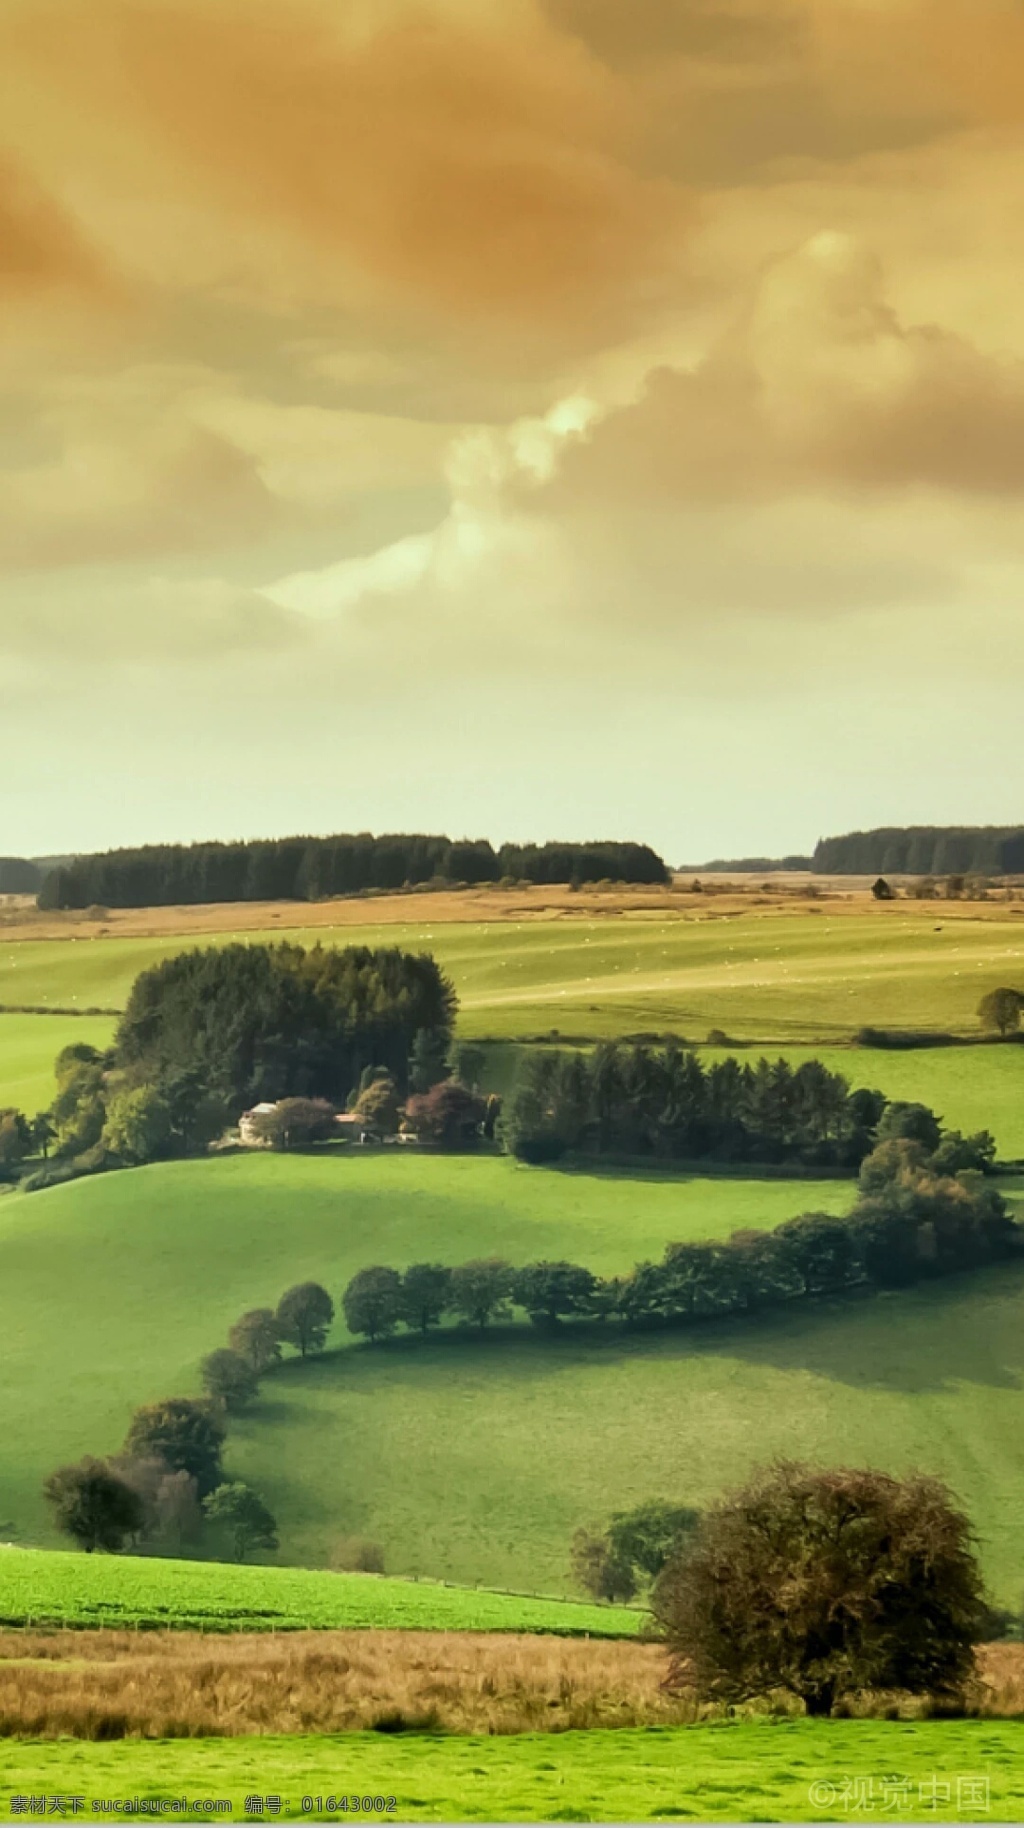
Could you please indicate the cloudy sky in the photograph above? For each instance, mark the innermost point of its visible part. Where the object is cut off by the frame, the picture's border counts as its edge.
(511, 417)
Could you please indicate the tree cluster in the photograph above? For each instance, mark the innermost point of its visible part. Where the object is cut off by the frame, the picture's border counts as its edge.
(313, 869)
(167, 1485)
(262, 1022)
(923, 850)
(666, 1104)
(613, 1564)
(606, 861)
(104, 1117)
(163, 1490)
(214, 1030)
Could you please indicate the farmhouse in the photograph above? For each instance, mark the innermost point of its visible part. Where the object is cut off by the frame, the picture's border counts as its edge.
(349, 1126)
(248, 1128)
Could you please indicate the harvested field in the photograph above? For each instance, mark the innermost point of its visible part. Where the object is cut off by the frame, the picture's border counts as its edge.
(718, 897)
(104, 1685)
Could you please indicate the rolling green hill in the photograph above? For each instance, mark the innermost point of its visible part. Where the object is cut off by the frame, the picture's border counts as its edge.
(468, 1461)
(773, 976)
(778, 979)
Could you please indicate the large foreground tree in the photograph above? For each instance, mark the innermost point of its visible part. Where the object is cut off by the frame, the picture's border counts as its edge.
(822, 1584)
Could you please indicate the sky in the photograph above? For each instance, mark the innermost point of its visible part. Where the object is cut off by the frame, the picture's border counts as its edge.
(515, 418)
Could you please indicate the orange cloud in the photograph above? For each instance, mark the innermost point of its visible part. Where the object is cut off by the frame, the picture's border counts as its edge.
(40, 247)
(819, 388)
(106, 499)
(460, 168)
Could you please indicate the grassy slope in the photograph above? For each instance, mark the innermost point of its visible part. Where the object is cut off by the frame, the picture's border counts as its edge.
(743, 1771)
(28, 1047)
(111, 1290)
(785, 976)
(55, 1588)
(477, 1462)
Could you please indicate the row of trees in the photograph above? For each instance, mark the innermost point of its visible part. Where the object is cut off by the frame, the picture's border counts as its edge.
(923, 850)
(312, 869)
(917, 1215)
(667, 1104)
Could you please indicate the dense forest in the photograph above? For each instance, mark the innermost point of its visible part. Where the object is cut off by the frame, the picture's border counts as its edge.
(924, 850)
(665, 1103)
(19, 876)
(265, 1022)
(312, 869)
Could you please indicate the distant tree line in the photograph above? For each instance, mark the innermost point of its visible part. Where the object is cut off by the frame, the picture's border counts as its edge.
(755, 866)
(19, 876)
(313, 869)
(924, 850)
(666, 1104)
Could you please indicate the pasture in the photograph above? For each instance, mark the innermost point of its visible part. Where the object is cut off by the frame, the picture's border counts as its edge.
(60, 1588)
(767, 1770)
(475, 1461)
(766, 974)
(28, 1047)
(113, 1289)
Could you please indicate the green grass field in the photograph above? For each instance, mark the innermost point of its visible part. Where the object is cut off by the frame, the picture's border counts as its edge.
(786, 1770)
(762, 974)
(45, 1588)
(475, 1462)
(113, 1289)
(28, 1047)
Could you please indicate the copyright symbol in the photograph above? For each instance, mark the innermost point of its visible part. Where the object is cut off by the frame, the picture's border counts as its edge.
(822, 1794)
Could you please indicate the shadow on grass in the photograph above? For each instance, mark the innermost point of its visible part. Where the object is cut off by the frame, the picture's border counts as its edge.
(641, 1168)
(966, 1328)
